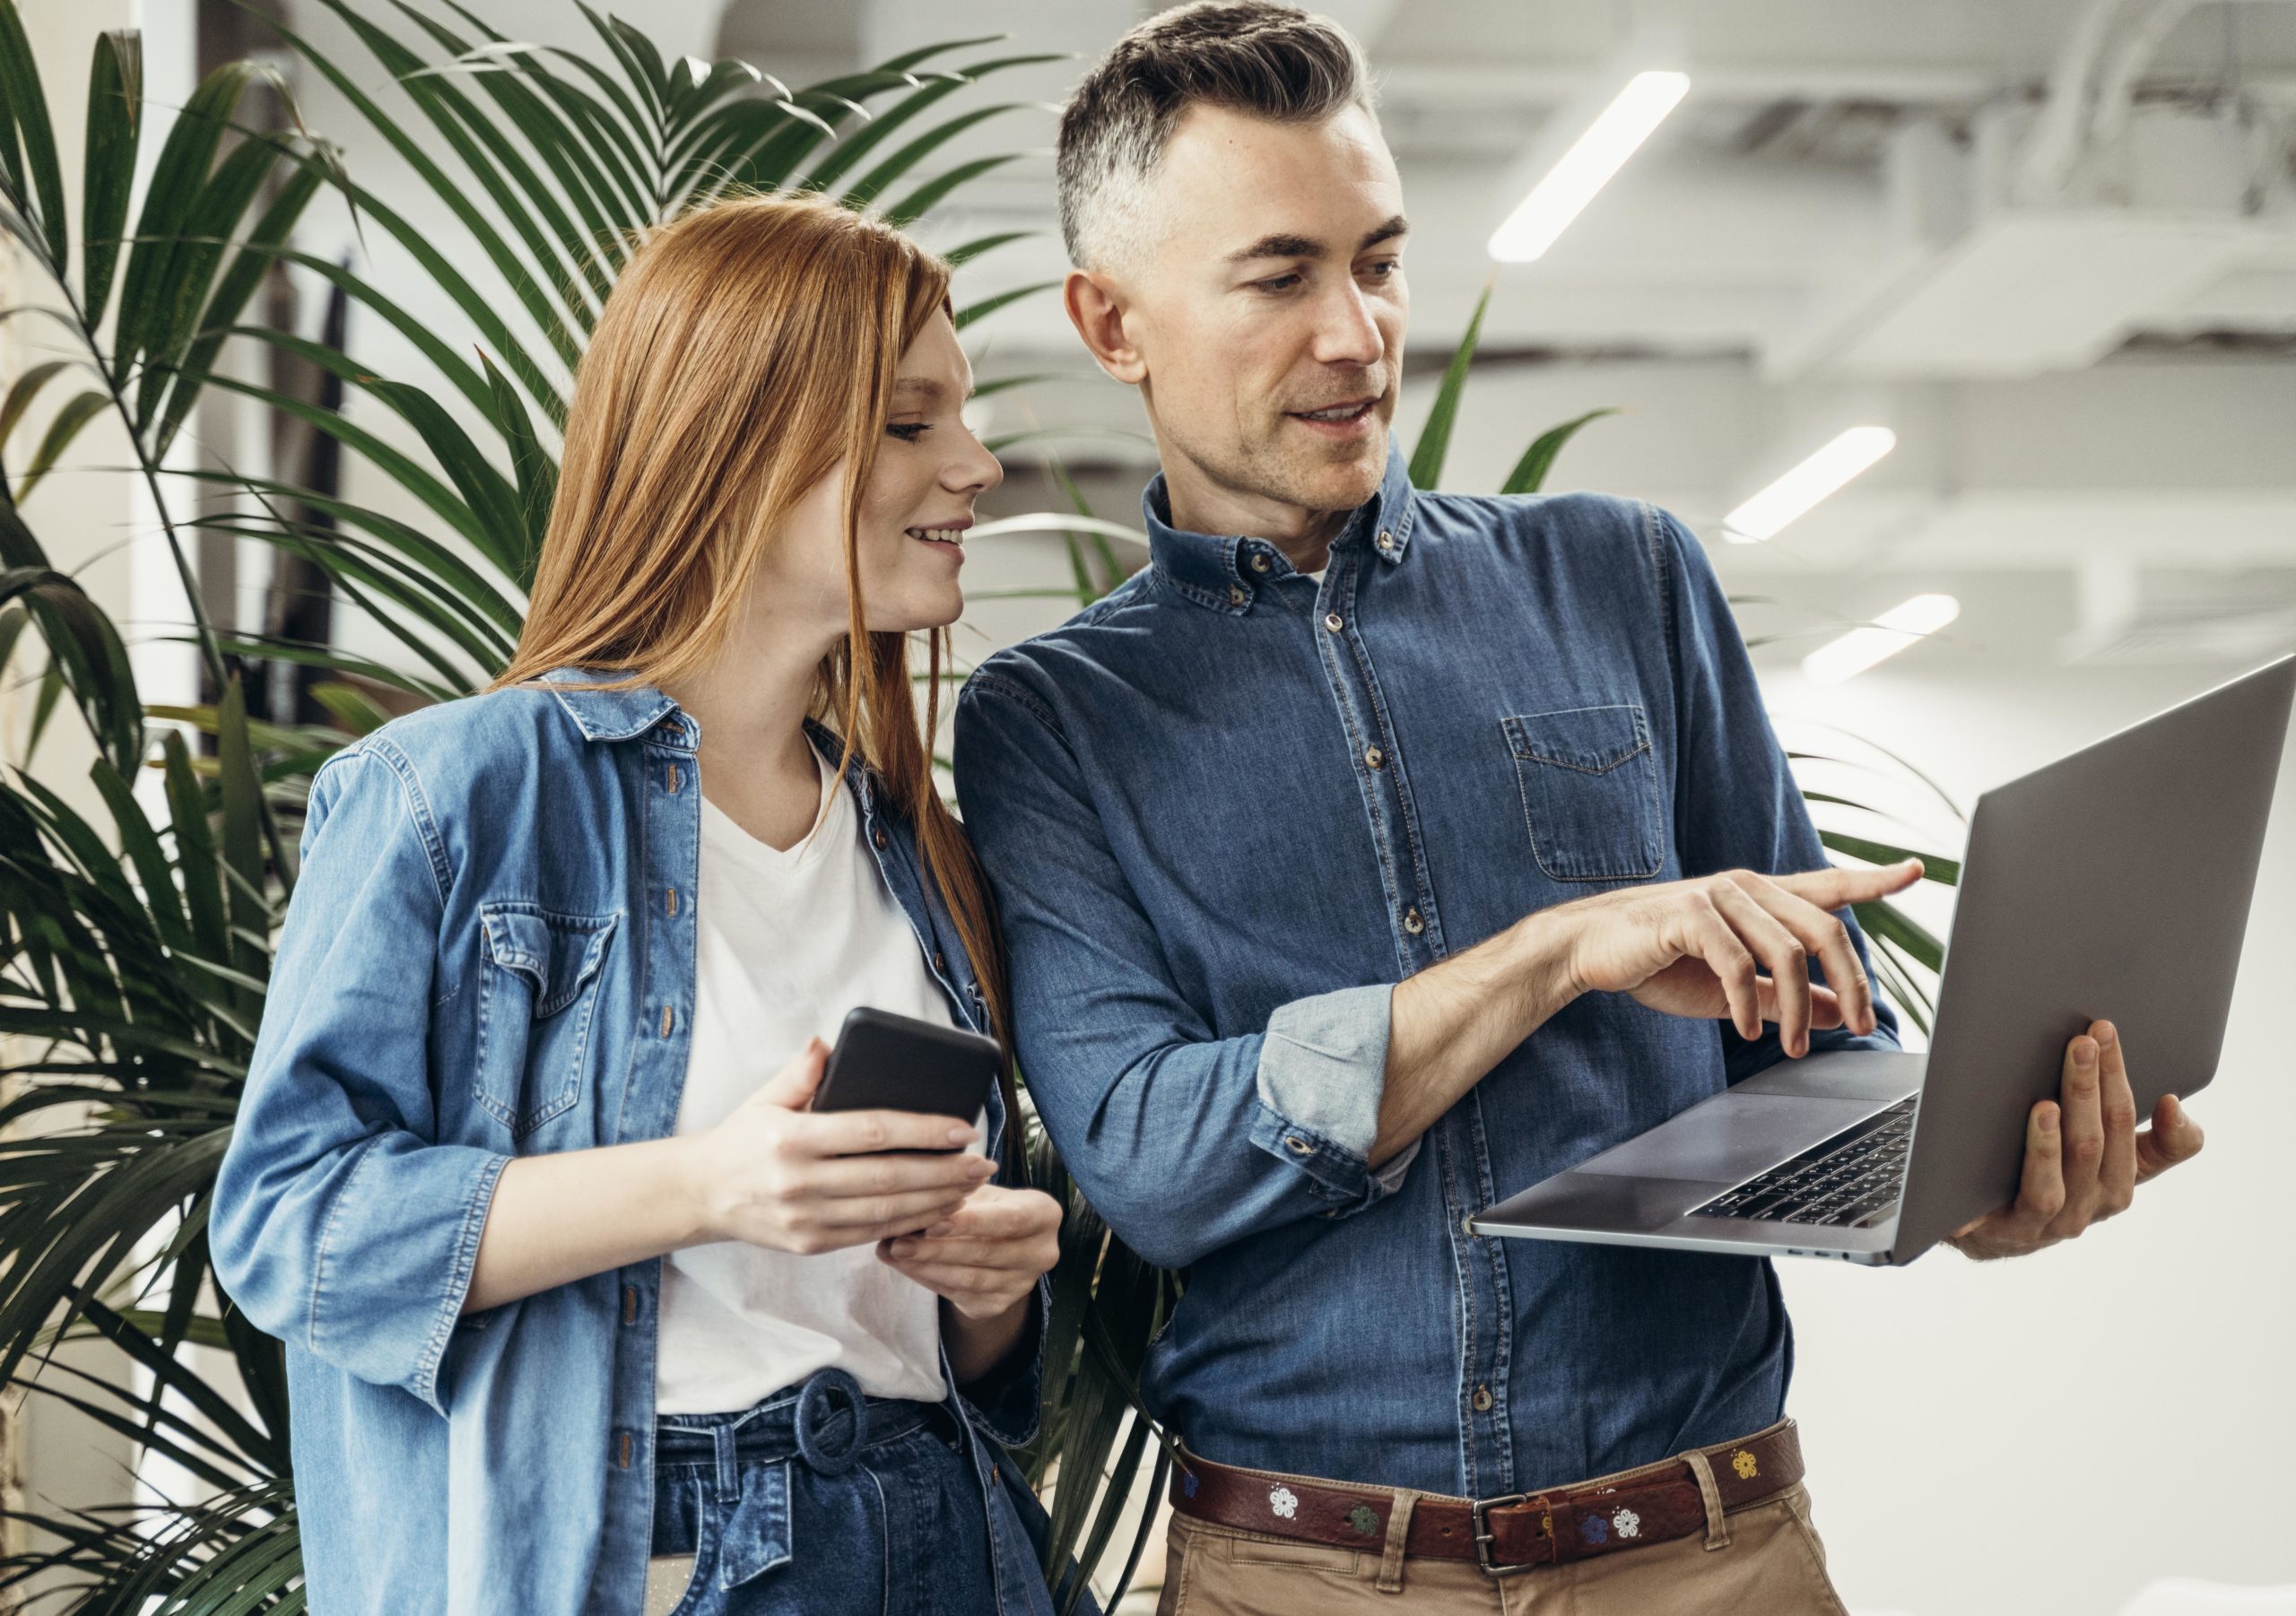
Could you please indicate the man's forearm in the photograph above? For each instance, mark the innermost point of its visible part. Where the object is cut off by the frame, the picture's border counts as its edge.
(1453, 1022)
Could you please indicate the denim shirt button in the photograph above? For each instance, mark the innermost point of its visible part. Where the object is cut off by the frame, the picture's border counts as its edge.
(1411, 923)
(1260, 563)
(1482, 1400)
(879, 837)
(1375, 757)
(1298, 1146)
(1235, 595)
(1387, 539)
(939, 963)
(1333, 622)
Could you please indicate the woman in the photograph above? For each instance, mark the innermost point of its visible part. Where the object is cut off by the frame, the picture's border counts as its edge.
(585, 1311)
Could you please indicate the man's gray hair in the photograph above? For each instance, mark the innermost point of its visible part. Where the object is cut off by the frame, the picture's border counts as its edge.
(1270, 60)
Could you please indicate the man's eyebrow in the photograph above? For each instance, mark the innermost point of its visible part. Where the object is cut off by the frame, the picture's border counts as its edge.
(1304, 246)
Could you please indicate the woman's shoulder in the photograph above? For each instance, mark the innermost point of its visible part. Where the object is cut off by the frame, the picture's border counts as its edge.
(448, 752)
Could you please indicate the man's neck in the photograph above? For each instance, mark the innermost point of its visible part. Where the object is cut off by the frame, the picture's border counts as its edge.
(1199, 505)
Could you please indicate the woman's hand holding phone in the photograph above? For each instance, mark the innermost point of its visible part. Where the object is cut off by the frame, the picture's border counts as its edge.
(775, 1174)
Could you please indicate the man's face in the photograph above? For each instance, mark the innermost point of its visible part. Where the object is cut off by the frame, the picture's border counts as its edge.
(1270, 292)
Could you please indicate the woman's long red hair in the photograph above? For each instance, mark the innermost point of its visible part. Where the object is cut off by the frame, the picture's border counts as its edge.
(748, 349)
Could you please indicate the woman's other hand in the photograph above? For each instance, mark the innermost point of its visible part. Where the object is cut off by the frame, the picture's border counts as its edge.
(983, 1259)
(775, 1174)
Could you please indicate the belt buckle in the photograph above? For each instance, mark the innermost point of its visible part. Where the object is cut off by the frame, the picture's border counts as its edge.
(1478, 1512)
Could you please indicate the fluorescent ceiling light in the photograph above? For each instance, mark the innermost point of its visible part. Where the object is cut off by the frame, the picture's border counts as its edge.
(1792, 495)
(1886, 636)
(1586, 168)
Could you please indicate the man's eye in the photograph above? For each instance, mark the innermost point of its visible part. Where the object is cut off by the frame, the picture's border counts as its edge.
(908, 432)
(1278, 283)
(1388, 268)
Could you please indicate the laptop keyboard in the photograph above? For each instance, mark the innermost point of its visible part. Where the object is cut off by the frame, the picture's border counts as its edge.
(1849, 1181)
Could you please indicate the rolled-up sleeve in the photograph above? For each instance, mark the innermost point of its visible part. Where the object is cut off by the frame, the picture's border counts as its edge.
(1183, 1140)
(1737, 805)
(340, 1222)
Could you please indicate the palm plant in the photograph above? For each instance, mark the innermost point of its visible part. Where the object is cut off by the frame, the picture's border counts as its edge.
(134, 954)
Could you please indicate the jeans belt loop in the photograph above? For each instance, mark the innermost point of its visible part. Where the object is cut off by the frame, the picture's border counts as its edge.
(722, 1438)
(1398, 1534)
(1718, 1524)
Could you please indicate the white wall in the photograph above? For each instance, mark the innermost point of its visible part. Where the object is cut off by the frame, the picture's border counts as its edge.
(2050, 1435)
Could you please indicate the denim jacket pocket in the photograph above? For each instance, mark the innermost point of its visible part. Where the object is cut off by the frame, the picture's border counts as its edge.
(537, 989)
(1589, 781)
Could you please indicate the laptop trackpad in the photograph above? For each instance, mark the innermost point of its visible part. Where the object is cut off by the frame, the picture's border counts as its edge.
(1732, 1136)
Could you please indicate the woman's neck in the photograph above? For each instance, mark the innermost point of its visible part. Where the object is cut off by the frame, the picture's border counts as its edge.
(751, 700)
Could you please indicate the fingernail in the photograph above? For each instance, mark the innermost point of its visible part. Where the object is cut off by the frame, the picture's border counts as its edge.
(2049, 1119)
(959, 1135)
(2083, 1053)
(2107, 1036)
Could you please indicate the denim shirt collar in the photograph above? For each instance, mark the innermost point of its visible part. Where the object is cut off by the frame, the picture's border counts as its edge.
(1218, 570)
(624, 714)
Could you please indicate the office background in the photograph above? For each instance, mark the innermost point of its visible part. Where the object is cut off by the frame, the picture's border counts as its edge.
(2049, 245)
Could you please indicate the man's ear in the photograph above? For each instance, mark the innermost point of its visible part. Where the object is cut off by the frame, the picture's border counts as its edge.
(1096, 307)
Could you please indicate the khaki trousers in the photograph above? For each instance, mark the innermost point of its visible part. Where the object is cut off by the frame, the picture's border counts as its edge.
(1765, 1559)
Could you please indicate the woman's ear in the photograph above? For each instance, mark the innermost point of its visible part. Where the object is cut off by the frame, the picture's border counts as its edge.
(1096, 308)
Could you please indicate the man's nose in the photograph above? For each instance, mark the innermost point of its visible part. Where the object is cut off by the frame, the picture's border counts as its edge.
(1345, 331)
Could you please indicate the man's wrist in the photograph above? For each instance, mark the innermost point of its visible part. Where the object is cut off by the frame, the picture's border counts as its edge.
(1543, 954)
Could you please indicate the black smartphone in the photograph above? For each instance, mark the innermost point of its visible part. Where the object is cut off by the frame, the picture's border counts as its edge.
(883, 1062)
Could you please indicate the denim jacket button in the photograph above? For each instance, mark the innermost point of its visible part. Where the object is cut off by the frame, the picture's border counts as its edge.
(1260, 563)
(1235, 595)
(879, 837)
(1298, 1146)
(1333, 622)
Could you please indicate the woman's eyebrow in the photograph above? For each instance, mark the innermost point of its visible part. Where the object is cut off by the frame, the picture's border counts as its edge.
(928, 386)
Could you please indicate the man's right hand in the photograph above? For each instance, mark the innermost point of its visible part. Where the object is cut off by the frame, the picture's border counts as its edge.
(1698, 947)
(774, 1174)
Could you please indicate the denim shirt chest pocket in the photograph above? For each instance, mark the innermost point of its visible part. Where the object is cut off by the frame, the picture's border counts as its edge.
(538, 990)
(1588, 782)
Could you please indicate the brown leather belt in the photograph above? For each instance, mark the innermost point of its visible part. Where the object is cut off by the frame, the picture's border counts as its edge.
(1634, 1507)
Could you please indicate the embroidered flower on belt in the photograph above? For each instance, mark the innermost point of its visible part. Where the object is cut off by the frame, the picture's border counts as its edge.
(1594, 1529)
(1629, 1524)
(1187, 1482)
(1283, 1501)
(1743, 1464)
(1363, 1519)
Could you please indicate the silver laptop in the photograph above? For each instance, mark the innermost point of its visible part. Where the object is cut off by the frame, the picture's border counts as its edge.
(2114, 883)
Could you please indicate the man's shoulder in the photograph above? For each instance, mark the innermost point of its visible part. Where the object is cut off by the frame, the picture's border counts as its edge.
(1577, 521)
(1097, 632)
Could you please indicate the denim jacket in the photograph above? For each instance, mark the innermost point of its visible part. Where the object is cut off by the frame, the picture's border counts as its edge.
(1226, 809)
(490, 954)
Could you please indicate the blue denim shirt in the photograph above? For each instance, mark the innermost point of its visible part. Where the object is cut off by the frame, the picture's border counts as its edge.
(490, 954)
(1225, 809)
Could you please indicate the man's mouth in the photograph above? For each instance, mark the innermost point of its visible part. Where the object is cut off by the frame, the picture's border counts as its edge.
(1350, 417)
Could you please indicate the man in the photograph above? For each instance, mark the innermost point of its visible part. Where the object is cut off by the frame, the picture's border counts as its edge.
(1375, 853)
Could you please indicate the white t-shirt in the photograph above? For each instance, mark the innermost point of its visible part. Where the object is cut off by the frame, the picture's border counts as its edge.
(787, 942)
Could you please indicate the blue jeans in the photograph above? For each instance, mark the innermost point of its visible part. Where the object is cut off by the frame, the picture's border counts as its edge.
(823, 1501)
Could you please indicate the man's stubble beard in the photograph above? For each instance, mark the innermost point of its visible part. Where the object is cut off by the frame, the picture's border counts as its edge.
(1306, 475)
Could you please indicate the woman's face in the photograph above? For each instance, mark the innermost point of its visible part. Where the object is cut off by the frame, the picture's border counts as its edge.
(914, 512)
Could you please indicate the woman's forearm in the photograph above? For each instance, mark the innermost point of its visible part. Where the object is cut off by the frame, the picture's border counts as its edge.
(569, 1215)
(978, 1345)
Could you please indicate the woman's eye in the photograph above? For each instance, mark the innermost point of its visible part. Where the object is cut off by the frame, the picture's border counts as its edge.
(908, 432)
